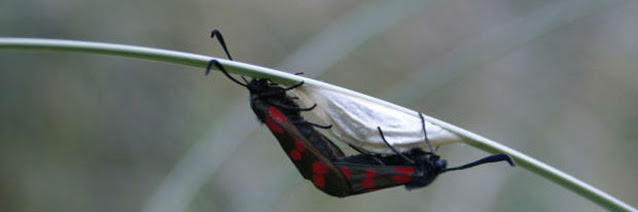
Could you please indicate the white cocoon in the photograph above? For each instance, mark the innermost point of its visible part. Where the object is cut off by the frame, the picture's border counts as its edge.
(355, 120)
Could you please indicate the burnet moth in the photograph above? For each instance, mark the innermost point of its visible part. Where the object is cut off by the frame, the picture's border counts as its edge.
(319, 160)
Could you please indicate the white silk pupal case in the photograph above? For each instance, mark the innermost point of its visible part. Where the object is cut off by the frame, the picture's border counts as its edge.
(355, 120)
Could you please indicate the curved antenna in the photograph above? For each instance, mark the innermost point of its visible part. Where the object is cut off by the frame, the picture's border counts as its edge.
(392, 148)
(425, 134)
(221, 41)
(221, 68)
(488, 159)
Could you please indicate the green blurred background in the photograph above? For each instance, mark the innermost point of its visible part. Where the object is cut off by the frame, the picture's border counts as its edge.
(557, 80)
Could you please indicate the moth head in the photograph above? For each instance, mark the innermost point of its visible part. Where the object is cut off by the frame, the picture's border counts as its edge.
(258, 85)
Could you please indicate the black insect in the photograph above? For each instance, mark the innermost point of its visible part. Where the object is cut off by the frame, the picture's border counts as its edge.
(319, 160)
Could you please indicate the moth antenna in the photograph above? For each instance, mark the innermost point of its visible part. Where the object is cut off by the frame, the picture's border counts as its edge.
(393, 149)
(223, 70)
(488, 159)
(425, 134)
(294, 86)
(221, 41)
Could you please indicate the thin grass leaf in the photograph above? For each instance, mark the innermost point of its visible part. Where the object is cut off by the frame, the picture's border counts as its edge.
(595, 195)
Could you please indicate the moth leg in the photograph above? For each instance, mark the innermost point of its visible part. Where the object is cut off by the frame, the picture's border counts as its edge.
(300, 121)
(320, 126)
(393, 149)
(425, 134)
(308, 108)
(366, 154)
(294, 86)
(304, 109)
(281, 93)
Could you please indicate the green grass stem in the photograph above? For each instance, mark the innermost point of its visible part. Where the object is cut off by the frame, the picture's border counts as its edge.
(563, 179)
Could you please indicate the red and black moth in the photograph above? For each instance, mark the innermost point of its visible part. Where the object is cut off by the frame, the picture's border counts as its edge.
(319, 160)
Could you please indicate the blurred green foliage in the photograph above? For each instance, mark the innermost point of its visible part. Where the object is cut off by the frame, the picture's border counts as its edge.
(97, 133)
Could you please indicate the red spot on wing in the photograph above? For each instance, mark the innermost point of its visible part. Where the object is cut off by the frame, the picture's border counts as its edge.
(405, 174)
(346, 172)
(274, 126)
(319, 167)
(319, 180)
(276, 115)
(295, 155)
(405, 169)
(399, 178)
(300, 146)
(368, 180)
